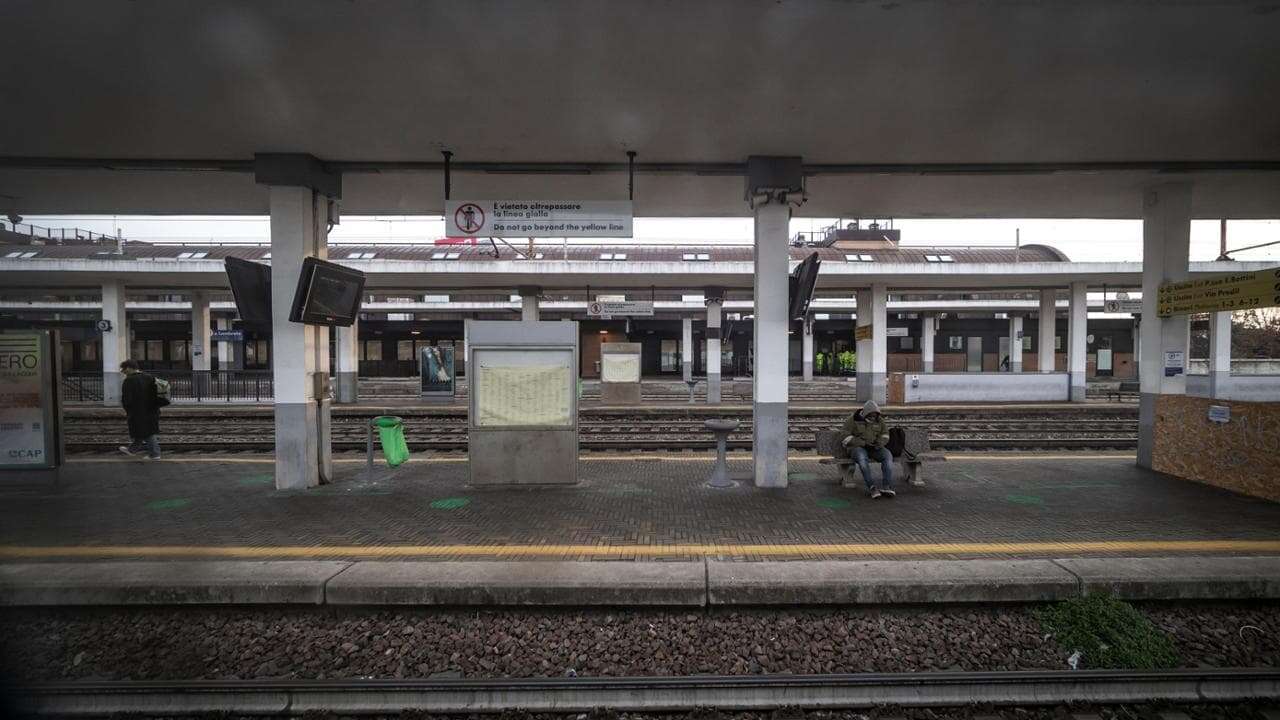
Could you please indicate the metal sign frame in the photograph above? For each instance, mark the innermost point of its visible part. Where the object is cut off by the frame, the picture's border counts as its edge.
(50, 384)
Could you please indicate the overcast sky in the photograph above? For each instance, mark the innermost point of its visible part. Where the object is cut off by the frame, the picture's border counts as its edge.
(1082, 240)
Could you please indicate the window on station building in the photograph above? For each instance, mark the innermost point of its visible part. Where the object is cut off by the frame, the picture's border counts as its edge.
(192, 255)
(955, 342)
(89, 350)
(361, 256)
(404, 350)
(1026, 343)
(178, 351)
(1057, 342)
(154, 350)
(939, 258)
(399, 317)
(22, 255)
(613, 256)
(858, 257)
(435, 298)
(906, 343)
(445, 255)
(670, 355)
(371, 350)
(695, 257)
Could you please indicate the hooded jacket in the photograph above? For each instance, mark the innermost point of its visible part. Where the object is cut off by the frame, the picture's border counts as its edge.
(865, 432)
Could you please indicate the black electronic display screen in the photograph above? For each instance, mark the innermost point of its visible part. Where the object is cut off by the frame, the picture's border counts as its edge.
(251, 287)
(804, 279)
(327, 294)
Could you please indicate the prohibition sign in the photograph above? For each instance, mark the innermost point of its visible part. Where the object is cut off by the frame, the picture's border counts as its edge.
(469, 218)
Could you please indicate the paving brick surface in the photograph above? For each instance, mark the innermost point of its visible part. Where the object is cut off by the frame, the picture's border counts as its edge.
(620, 505)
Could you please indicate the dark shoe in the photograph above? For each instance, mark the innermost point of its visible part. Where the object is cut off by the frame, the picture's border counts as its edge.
(888, 492)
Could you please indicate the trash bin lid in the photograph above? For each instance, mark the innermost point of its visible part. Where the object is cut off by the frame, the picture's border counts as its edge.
(387, 421)
(721, 425)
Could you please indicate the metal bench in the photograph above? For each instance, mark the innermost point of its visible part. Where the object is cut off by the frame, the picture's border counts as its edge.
(909, 465)
(1125, 389)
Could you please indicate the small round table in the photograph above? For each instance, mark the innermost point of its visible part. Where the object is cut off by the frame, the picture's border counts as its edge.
(720, 473)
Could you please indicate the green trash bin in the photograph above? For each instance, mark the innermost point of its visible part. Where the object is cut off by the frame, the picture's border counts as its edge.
(391, 433)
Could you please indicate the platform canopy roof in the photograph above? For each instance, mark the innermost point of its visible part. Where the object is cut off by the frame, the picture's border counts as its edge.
(900, 108)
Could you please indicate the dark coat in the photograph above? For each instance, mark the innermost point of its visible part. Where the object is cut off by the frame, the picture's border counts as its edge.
(138, 396)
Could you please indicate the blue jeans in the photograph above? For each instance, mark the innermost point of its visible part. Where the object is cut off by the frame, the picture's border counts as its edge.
(150, 444)
(862, 454)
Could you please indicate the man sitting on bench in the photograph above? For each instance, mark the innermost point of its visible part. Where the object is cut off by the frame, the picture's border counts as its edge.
(866, 436)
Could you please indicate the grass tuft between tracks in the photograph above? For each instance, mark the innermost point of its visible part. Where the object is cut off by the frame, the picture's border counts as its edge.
(1109, 633)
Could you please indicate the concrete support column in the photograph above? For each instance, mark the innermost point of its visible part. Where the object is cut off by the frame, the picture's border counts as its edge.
(928, 326)
(1166, 245)
(529, 303)
(873, 353)
(299, 353)
(1077, 334)
(806, 346)
(115, 342)
(1015, 343)
(713, 348)
(1219, 353)
(201, 345)
(769, 380)
(1048, 329)
(226, 357)
(347, 356)
(686, 348)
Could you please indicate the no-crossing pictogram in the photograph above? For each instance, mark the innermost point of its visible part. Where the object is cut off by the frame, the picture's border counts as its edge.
(469, 218)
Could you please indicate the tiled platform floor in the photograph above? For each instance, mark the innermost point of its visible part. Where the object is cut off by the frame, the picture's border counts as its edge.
(626, 507)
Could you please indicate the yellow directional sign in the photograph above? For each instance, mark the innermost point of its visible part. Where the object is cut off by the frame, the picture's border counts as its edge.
(1235, 291)
(862, 332)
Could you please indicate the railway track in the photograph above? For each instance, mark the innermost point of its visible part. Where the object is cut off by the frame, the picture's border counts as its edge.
(666, 694)
(449, 433)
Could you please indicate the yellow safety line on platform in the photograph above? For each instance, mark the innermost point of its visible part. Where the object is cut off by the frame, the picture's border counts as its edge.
(638, 551)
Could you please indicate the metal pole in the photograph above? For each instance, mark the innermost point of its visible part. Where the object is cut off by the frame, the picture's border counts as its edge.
(448, 158)
(631, 174)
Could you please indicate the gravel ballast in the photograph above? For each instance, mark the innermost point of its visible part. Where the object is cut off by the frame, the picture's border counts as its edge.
(227, 643)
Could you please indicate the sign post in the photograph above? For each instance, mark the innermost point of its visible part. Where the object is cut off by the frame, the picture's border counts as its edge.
(1235, 291)
(534, 218)
(30, 401)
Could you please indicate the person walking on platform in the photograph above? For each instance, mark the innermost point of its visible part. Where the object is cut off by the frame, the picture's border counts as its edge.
(142, 402)
(866, 437)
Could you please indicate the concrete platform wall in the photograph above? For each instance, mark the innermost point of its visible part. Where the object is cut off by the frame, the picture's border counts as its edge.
(1241, 455)
(987, 387)
(1254, 388)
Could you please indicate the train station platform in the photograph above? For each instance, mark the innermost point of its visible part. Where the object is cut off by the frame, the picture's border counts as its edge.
(988, 527)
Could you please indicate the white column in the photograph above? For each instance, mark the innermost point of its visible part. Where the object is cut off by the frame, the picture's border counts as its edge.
(1166, 244)
(713, 350)
(200, 349)
(1077, 348)
(299, 353)
(529, 308)
(347, 356)
(873, 353)
(1015, 343)
(226, 360)
(928, 327)
(1048, 323)
(769, 380)
(806, 347)
(686, 348)
(1219, 354)
(115, 341)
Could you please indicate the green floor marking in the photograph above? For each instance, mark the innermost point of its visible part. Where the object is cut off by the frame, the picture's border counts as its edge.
(1024, 499)
(833, 503)
(451, 503)
(255, 480)
(171, 504)
(802, 476)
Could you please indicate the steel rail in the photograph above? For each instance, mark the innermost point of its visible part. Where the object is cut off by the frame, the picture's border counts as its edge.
(658, 694)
